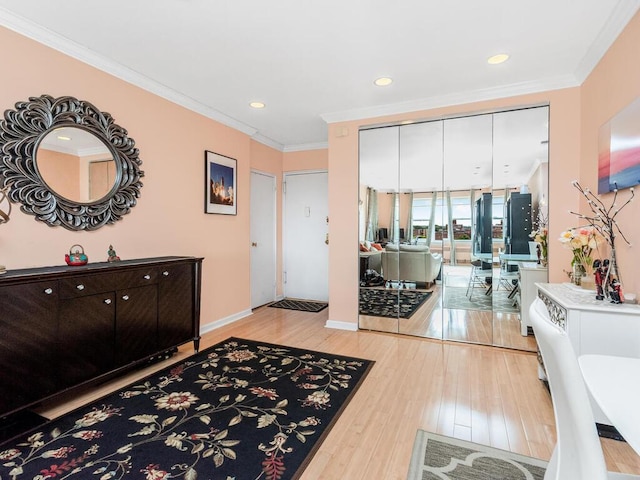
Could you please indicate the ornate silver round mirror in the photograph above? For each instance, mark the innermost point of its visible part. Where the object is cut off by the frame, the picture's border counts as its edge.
(68, 163)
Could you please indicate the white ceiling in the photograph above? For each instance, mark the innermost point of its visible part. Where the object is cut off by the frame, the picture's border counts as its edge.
(314, 62)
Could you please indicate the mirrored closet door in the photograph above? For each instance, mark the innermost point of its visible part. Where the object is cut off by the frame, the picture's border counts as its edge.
(446, 212)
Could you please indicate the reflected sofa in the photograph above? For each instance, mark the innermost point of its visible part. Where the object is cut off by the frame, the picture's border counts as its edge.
(411, 263)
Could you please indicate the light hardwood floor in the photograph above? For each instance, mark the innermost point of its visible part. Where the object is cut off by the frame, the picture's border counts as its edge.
(484, 394)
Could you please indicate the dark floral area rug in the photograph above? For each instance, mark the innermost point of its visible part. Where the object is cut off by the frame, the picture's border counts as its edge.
(391, 303)
(238, 410)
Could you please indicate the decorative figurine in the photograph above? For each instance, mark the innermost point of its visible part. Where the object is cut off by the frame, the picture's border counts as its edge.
(112, 255)
(615, 292)
(76, 257)
(598, 273)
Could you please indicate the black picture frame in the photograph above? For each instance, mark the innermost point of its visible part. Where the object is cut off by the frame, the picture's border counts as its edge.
(220, 185)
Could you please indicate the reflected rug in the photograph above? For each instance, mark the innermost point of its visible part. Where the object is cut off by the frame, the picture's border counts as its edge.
(499, 301)
(436, 457)
(391, 303)
(238, 410)
(303, 305)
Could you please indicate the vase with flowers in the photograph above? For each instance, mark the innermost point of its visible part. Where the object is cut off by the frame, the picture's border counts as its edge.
(540, 236)
(603, 220)
(582, 241)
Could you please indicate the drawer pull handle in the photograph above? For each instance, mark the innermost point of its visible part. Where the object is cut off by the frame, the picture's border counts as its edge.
(125, 297)
(48, 291)
(147, 277)
(165, 273)
(108, 301)
(80, 287)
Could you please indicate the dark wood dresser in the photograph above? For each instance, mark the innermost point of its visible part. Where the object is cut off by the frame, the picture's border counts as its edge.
(62, 327)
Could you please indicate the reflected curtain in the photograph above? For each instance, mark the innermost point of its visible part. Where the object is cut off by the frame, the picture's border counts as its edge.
(474, 220)
(372, 215)
(432, 218)
(393, 226)
(409, 229)
(452, 243)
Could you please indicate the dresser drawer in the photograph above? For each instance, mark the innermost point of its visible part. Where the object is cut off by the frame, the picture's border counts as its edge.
(81, 286)
(136, 278)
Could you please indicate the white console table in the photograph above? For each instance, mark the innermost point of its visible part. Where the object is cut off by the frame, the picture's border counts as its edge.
(593, 326)
(529, 273)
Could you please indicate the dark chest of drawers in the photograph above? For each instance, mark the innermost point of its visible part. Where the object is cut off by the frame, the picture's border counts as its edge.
(62, 327)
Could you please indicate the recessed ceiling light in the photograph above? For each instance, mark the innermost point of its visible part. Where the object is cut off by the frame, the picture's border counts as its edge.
(257, 105)
(383, 81)
(496, 59)
(62, 137)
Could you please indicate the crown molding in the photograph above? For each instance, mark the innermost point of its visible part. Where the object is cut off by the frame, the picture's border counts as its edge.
(301, 147)
(622, 14)
(258, 137)
(62, 44)
(493, 93)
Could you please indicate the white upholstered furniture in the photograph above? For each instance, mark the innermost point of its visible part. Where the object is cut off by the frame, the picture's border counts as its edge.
(578, 453)
(411, 263)
(615, 385)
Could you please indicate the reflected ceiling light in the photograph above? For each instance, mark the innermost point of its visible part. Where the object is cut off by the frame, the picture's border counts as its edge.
(406, 122)
(383, 81)
(257, 105)
(497, 59)
(64, 137)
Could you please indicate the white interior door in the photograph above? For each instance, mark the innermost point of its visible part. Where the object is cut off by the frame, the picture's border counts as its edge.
(306, 230)
(263, 239)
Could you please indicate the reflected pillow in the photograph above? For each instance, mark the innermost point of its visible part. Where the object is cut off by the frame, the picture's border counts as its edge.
(376, 246)
(363, 248)
(414, 248)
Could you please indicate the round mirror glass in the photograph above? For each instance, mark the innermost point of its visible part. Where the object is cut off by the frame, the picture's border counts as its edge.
(76, 164)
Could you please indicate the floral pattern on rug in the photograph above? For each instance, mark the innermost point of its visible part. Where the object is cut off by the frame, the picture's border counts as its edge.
(238, 410)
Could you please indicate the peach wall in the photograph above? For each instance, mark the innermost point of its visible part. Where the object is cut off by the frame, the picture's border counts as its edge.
(305, 160)
(61, 171)
(169, 218)
(612, 85)
(564, 154)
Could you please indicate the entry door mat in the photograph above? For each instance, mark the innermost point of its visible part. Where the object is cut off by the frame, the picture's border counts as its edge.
(303, 305)
(240, 409)
(438, 457)
(391, 303)
(456, 298)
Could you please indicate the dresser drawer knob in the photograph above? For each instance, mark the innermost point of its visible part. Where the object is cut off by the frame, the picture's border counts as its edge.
(165, 273)
(80, 287)
(48, 291)
(147, 277)
(108, 301)
(125, 297)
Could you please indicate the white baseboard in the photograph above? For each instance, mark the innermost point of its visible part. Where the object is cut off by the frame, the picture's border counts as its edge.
(224, 321)
(352, 327)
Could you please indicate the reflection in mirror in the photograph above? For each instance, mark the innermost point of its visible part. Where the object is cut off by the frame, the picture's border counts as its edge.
(466, 241)
(520, 182)
(420, 180)
(379, 229)
(452, 189)
(76, 164)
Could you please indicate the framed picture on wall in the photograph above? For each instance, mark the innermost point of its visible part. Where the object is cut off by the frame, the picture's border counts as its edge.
(220, 184)
(619, 150)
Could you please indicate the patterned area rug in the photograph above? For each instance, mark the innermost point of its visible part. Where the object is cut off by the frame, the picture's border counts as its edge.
(391, 303)
(304, 305)
(238, 410)
(498, 300)
(436, 457)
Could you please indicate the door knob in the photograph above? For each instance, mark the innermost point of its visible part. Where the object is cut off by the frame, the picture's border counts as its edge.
(254, 244)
